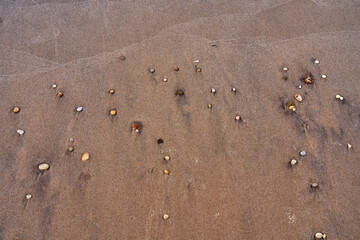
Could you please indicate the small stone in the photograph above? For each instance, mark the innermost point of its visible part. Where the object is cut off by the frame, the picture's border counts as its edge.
(85, 157)
(166, 172)
(285, 78)
(60, 94)
(166, 216)
(198, 69)
(349, 146)
(167, 158)
(316, 61)
(285, 69)
(293, 162)
(150, 170)
(165, 79)
(209, 105)
(319, 235)
(237, 118)
(16, 110)
(111, 91)
(87, 176)
(196, 61)
(302, 153)
(180, 92)
(298, 97)
(70, 149)
(323, 76)
(54, 85)
(314, 185)
(233, 90)
(160, 141)
(299, 86)
(44, 166)
(79, 109)
(152, 70)
(176, 69)
(213, 90)
(20, 131)
(28, 196)
(137, 127)
(113, 112)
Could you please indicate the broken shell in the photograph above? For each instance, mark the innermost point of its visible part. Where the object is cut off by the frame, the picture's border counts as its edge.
(233, 90)
(16, 110)
(291, 106)
(339, 97)
(308, 79)
(285, 69)
(196, 61)
(166, 172)
(113, 112)
(54, 85)
(300, 86)
(70, 149)
(298, 98)
(316, 61)
(349, 146)
(79, 109)
(198, 69)
(44, 166)
(152, 70)
(20, 131)
(176, 69)
(165, 79)
(293, 162)
(213, 90)
(302, 153)
(111, 91)
(237, 118)
(319, 235)
(137, 126)
(166, 216)
(314, 185)
(28, 196)
(323, 76)
(85, 157)
(60, 94)
(180, 92)
(167, 158)
(209, 105)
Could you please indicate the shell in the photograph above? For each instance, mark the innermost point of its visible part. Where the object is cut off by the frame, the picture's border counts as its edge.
(293, 162)
(166, 172)
(44, 166)
(20, 131)
(298, 97)
(79, 109)
(316, 61)
(167, 158)
(70, 149)
(60, 94)
(319, 235)
(152, 70)
(198, 69)
(166, 216)
(85, 157)
(213, 90)
(113, 112)
(16, 110)
(314, 185)
(237, 118)
(111, 91)
(28, 196)
(302, 153)
(308, 79)
(176, 69)
(324, 76)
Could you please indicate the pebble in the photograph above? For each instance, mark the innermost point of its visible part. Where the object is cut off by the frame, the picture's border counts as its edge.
(349, 146)
(339, 97)
(79, 109)
(233, 90)
(112, 91)
(166, 172)
(85, 157)
(300, 86)
(285, 69)
(16, 110)
(314, 185)
(122, 58)
(87, 176)
(323, 76)
(70, 149)
(213, 90)
(113, 112)
(237, 118)
(298, 97)
(20, 131)
(28, 196)
(60, 94)
(285, 78)
(166, 216)
(293, 162)
(319, 235)
(160, 141)
(44, 166)
(198, 69)
(54, 85)
(152, 70)
(165, 79)
(302, 153)
(176, 69)
(209, 105)
(167, 158)
(196, 61)
(180, 92)
(316, 61)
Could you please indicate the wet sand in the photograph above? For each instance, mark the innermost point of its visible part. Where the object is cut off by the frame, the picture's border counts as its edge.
(227, 179)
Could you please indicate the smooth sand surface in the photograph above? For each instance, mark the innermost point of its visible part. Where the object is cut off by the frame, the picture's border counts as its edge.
(228, 179)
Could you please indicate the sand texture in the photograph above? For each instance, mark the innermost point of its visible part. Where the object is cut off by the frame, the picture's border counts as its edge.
(225, 178)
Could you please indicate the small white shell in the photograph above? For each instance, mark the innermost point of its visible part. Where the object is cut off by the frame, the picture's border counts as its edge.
(79, 109)
(349, 146)
(302, 153)
(196, 61)
(285, 69)
(213, 90)
(316, 61)
(293, 162)
(237, 118)
(54, 85)
(166, 216)
(28, 196)
(323, 76)
(298, 97)
(314, 185)
(319, 235)
(165, 79)
(20, 131)
(300, 86)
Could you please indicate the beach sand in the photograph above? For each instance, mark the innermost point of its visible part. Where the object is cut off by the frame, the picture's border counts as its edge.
(227, 179)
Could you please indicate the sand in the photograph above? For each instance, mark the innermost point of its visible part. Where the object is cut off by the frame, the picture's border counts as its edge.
(226, 179)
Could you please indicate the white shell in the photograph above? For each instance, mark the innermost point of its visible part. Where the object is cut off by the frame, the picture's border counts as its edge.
(166, 216)
(54, 85)
(319, 235)
(314, 185)
(303, 153)
(28, 196)
(316, 61)
(79, 109)
(298, 97)
(213, 90)
(196, 61)
(300, 86)
(293, 162)
(165, 79)
(323, 76)
(44, 166)
(285, 69)
(237, 118)
(20, 131)
(349, 146)
(71, 139)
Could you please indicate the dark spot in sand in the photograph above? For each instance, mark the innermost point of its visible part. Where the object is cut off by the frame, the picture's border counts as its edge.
(179, 92)
(122, 58)
(1, 20)
(285, 78)
(160, 141)
(176, 69)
